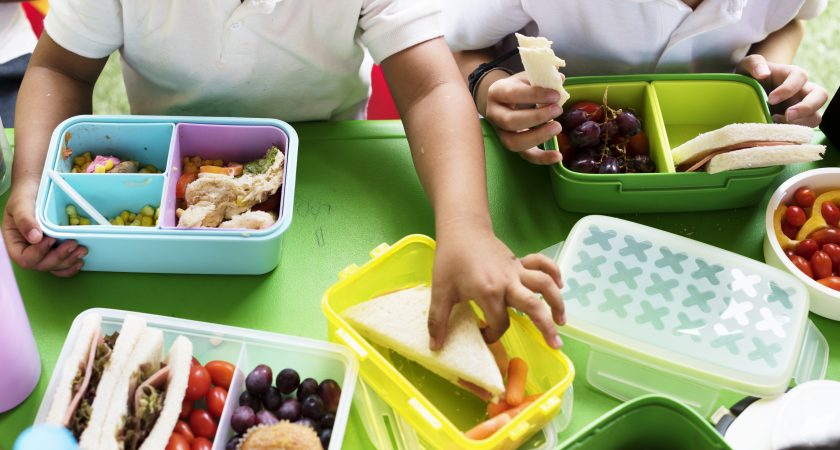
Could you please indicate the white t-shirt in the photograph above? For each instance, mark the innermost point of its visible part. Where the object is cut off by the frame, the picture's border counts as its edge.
(598, 37)
(16, 35)
(290, 59)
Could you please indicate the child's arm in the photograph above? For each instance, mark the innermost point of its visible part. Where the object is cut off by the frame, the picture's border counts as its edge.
(446, 144)
(58, 84)
(797, 100)
(521, 127)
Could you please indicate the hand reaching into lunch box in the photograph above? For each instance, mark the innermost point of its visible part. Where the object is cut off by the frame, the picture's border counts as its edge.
(482, 268)
(789, 88)
(26, 243)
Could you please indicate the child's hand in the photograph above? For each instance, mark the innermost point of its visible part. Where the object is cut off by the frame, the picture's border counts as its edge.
(28, 246)
(476, 265)
(790, 88)
(510, 108)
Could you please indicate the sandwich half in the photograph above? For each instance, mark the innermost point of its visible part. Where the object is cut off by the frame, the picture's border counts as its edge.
(148, 398)
(745, 145)
(541, 64)
(88, 376)
(398, 321)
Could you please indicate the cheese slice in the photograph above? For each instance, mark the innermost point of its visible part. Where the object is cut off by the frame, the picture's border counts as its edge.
(398, 321)
(541, 64)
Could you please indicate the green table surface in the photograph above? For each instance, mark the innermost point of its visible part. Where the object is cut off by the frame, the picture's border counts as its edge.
(356, 189)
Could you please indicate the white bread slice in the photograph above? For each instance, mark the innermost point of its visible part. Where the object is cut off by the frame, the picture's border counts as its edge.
(776, 155)
(75, 361)
(398, 321)
(148, 350)
(541, 64)
(179, 362)
(698, 148)
(132, 328)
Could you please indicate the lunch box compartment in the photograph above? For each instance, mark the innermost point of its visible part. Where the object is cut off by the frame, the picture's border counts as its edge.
(682, 107)
(230, 143)
(652, 423)
(242, 347)
(146, 143)
(438, 410)
(108, 195)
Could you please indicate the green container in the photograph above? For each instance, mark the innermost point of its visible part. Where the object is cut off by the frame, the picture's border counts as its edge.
(673, 109)
(648, 423)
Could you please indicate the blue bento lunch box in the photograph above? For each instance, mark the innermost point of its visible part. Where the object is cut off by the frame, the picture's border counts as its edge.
(162, 142)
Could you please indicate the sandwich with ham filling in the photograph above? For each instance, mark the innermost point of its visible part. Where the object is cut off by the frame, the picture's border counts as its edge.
(747, 145)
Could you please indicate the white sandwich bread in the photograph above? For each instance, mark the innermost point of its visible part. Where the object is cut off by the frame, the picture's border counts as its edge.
(746, 145)
(178, 362)
(541, 64)
(398, 321)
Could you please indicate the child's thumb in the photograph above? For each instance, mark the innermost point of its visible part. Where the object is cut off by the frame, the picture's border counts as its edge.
(23, 215)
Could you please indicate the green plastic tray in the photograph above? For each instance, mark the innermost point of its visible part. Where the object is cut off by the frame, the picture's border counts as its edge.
(673, 109)
(648, 423)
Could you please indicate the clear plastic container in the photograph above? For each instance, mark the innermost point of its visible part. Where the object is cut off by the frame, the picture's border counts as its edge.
(439, 411)
(664, 314)
(18, 352)
(5, 161)
(246, 349)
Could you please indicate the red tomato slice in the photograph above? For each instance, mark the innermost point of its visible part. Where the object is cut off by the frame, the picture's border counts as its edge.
(183, 182)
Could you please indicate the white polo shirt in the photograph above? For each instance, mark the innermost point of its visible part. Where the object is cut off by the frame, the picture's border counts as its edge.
(598, 37)
(289, 59)
(16, 35)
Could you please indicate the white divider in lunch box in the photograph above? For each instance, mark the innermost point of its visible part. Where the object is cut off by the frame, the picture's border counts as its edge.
(247, 348)
(388, 430)
(665, 314)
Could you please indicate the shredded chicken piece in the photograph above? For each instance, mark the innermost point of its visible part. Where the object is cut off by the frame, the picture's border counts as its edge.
(255, 220)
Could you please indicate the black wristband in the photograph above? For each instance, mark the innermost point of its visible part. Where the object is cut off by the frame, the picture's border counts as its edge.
(478, 74)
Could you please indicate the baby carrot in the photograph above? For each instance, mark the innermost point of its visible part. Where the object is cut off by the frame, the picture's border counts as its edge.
(488, 427)
(494, 409)
(517, 374)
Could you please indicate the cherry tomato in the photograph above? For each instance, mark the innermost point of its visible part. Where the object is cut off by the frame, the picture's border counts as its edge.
(565, 146)
(203, 424)
(828, 235)
(821, 265)
(831, 283)
(795, 216)
(177, 442)
(790, 253)
(807, 248)
(833, 252)
(221, 372)
(789, 230)
(183, 181)
(186, 409)
(804, 197)
(593, 110)
(831, 213)
(183, 429)
(216, 401)
(638, 144)
(802, 264)
(201, 444)
(199, 382)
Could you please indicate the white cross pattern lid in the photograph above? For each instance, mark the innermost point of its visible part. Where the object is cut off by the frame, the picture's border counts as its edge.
(684, 306)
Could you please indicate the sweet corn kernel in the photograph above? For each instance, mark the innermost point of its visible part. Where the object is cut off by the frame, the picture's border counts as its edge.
(118, 221)
(71, 211)
(146, 221)
(157, 213)
(84, 221)
(79, 160)
(151, 168)
(218, 163)
(74, 220)
(124, 215)
(196, 161)
(131, 217)
(135, 223)
(75, 169)
(147, 211)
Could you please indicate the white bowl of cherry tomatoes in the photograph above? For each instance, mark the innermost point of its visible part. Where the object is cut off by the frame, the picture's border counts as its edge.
(802, 225)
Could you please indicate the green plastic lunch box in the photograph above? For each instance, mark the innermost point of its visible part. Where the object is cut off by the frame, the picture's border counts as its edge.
(161, 142)
(673, 109)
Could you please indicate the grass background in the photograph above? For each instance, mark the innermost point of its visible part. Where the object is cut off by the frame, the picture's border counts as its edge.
(819, 55)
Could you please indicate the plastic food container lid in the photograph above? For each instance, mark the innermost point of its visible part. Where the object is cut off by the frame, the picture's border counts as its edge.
(686, 307)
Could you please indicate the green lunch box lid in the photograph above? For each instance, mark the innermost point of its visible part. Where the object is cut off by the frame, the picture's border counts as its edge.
(686, 307)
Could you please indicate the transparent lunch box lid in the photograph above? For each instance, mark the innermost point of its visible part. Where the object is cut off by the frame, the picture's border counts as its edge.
(686, 307)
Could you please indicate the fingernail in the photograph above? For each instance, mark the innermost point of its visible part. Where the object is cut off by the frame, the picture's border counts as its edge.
(554, 127)
(33, 235)
(792, 115)
(81, 253)
(554, 110)
(762, 70)
(556, 342)
(552, 97)
(70, 249)
(563, 319)
(433, 343)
